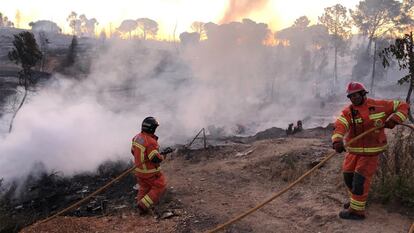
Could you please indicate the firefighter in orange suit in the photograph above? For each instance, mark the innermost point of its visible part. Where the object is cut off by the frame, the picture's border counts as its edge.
(147, 161)
(361, 159)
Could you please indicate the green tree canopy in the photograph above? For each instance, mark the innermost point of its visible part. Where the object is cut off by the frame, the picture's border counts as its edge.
(26, 51)
(375, 18)
(336, 20)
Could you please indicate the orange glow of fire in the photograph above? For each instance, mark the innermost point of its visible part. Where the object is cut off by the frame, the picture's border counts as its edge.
(271, 41)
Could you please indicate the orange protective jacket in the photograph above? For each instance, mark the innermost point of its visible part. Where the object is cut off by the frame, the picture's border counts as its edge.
(372, 113)
(145, 148)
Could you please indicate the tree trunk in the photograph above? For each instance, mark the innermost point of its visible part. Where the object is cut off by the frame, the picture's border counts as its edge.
(408, 99)
(369, 44)
(411, 69)
(43, 61)
(17, 110)
(335, 67)
(371, 38)
(374, 60)
(41, 64)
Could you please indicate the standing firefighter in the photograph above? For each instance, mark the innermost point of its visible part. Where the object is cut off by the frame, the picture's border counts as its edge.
(361, 159)
(147, 161)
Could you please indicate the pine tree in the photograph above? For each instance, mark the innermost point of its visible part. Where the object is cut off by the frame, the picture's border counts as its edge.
(72, 54)
(336, 19)
(26, 53)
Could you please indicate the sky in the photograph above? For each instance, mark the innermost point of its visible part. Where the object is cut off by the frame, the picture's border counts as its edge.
(169, 14)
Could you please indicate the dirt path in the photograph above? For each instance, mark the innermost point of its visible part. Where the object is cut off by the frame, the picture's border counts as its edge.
(209, 187)
(223, 185)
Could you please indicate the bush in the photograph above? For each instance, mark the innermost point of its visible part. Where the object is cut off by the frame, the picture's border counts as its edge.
(395, 177)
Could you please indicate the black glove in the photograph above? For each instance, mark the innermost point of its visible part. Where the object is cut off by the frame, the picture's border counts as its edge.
(166, 151)
(338, 146)
(390, 124)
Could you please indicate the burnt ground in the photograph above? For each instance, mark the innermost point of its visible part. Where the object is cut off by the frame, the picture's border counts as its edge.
(43, 194)
(207, 187)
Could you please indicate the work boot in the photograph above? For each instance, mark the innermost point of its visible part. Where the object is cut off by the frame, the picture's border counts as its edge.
(351, 214)
(141, 210)
(347, 205)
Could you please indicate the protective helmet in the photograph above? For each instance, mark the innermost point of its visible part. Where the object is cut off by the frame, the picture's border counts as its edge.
(354, 87)
(149, 125)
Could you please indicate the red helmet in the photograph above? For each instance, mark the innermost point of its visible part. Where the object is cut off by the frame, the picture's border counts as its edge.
(354, 87)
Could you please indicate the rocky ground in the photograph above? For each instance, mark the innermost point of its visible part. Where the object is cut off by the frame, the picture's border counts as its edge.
(207, 187)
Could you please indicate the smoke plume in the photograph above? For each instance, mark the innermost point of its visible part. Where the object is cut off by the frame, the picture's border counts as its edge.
(230, 79)
(239, 9)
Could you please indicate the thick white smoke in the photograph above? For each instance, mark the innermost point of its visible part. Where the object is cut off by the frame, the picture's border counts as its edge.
(66, 131)
(229, 79)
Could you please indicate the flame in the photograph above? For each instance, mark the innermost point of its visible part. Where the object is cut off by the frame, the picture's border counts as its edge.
(271, 41)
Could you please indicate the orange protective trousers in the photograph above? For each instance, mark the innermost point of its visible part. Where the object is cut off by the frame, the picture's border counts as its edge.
(358, 171)
(150, 190)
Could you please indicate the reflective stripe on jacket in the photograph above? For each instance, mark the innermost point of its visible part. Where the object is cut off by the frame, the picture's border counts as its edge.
(145, 148)
(372, 113)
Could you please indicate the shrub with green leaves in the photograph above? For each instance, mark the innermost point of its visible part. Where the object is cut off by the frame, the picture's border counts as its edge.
(395, 177)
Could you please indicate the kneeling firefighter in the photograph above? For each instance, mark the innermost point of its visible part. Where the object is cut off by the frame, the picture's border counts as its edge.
(145, 150)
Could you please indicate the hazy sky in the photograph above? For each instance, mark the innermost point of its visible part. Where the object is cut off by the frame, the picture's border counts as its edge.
(168, 13)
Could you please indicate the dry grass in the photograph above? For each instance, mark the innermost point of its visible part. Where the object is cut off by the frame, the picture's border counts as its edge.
(395, 177)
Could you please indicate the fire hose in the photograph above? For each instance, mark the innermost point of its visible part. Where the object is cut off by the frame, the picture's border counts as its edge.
(89, 196)
(407, 125)
(291, 185)
(126, 172)
(122, 175)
